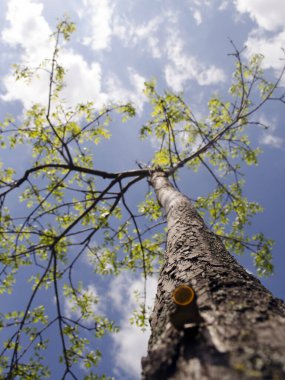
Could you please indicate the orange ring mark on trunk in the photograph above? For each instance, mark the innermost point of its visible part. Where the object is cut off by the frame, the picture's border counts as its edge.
(183, 295)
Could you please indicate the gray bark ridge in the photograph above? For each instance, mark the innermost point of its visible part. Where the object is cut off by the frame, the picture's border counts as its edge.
(237, 328)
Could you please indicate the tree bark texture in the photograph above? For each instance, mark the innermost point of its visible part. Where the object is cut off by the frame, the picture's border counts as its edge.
(235, 329)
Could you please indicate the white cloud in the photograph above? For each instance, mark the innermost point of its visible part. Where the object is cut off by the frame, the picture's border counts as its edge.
(223, 6)
(183, 67)
(270, 47)
(27, 27)
(143, 31)
(268, 137)
(197, 16)
(27, 94)
(83, 80)
(271, 140)
(199, 2)
(154, 46)
(117, 92)
(99, 14)
(269, 15)
(130, 342)
(270, 125)
(132, 33)
(78, 87)
(130, 347)
(150, 32)
(148, 35)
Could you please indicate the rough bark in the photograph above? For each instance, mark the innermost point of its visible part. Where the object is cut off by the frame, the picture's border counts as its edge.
(238, 328)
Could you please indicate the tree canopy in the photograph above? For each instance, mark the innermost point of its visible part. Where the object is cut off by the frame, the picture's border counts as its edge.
(63, 206)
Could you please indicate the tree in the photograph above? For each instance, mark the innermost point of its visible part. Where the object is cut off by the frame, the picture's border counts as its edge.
(235, 330)
(67, 201)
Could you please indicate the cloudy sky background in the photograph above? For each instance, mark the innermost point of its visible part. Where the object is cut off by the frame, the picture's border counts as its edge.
(119, 44)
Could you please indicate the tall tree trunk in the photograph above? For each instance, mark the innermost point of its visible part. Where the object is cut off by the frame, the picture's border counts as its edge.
(234, 329)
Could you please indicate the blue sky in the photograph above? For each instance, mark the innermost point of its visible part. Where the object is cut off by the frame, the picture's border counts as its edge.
(119, 44)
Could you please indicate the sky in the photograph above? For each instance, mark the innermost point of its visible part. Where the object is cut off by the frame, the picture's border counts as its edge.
(185, 45)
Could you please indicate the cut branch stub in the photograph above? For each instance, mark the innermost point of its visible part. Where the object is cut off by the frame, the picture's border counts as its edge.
(183, 295)
(186, 312)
